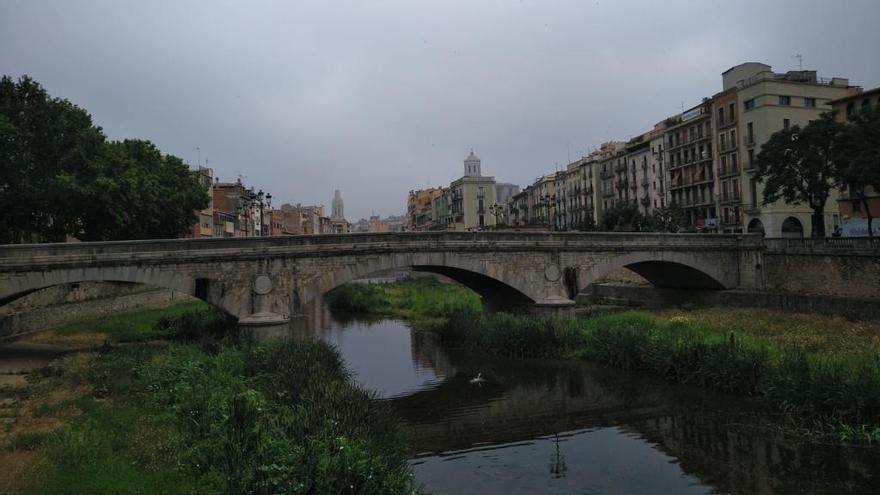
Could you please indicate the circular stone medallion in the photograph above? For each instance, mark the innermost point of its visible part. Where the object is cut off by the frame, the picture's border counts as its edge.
(551, 272)
(263, 285)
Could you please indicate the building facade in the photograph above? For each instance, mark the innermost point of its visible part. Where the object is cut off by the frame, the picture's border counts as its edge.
(689, 158)
(853, 212)
(769, 102)
(420, 208)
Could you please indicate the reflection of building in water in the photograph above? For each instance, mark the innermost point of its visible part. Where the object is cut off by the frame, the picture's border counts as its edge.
(427, 352)
(314, 320)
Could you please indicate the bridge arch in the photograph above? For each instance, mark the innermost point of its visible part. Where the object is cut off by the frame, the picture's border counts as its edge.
(669, 270)
(175, 280)
(499, 286)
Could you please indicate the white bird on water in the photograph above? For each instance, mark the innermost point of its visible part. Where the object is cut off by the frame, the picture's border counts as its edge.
(477, 379)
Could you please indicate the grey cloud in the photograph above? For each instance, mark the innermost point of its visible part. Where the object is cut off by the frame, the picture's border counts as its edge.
(376, 98)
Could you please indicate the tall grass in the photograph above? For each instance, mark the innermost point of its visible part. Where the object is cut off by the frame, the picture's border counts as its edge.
(133, 326)
(421, 301)
(833, 389)
(225, 418)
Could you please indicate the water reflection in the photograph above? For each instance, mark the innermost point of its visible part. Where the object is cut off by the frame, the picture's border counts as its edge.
(569, 427)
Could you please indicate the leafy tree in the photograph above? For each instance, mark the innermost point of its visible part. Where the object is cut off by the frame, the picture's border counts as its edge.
(857, 157)
(160, 194)
(797, 166)
(668, 219)
(60, 177)
(44, 142)
(624, 217)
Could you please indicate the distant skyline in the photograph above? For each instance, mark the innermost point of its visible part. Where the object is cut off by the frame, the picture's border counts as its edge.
(377, 98)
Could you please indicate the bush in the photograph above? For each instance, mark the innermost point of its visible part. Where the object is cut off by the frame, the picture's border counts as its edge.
(826, 388)
(208, 324)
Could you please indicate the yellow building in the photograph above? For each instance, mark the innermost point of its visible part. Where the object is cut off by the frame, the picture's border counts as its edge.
(470, 198)
(769, 102)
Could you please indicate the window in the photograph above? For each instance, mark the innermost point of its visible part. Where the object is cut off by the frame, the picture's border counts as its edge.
(809, 102)
(720, 116)
(733, 162)
(751, 131)
(732, 111)
(733, 138)
(749, 104)
(785, 100)
(786, 124)
(721, 144)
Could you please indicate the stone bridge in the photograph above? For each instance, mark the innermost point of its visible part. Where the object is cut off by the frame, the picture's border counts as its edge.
(268, 280)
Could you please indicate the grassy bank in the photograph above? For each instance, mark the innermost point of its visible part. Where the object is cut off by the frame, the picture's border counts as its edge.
(134, 326)
(421, 301)
(202, 414)
(811, 379)
(821, 374)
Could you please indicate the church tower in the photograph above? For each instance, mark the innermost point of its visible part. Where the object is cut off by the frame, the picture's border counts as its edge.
(472, 165)
(337, 207)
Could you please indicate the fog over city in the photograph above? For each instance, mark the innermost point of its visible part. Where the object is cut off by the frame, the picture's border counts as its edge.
(377, 98)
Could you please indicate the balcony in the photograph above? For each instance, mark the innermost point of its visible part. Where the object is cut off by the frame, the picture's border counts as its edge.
(725, 171)
(729, 197)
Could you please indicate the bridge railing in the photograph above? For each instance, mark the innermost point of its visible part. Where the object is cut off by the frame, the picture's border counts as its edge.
(458, 239)
(829, 245)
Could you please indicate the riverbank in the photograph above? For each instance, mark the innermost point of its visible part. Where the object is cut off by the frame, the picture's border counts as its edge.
(816, 375)
(198, 412)
(424, 302)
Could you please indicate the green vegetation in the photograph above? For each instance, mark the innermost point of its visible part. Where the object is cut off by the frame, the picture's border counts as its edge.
(229, 417)
(111, 189)
(421, 301)
(816, 372)
(140, 325)
(824, 388)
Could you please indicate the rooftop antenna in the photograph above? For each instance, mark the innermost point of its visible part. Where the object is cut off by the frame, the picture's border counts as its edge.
(800, 59)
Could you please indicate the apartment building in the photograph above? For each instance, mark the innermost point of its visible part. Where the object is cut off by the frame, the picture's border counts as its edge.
(769, 102)
(420, 208)
(852, 212)
(727, 161)
(689, 158)
(657, 162)
(638, 173)
(604, 161)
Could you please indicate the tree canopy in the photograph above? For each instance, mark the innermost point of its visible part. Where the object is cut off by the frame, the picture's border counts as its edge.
(60, 176)
(797, 166)
(857, 157)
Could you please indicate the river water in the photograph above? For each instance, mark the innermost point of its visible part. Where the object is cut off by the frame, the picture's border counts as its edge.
(547, 426)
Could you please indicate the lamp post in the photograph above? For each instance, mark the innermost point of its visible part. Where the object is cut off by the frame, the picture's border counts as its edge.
(496, 210)
(546, 201)
(263, 200)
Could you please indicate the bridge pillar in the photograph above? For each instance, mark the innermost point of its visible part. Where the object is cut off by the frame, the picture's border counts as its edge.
(262, 319)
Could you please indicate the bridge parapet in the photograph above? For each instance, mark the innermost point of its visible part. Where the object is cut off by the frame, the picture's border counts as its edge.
(11, 255)
(832, 245)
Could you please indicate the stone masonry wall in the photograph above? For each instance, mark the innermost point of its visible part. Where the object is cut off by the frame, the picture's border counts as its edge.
(854, 276)
(56, 306)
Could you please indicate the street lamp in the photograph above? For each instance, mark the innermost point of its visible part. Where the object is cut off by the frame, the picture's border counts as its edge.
(546, 201)
(264, 204)
(496, 210)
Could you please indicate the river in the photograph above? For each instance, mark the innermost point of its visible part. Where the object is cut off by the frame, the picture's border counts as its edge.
(549, 426)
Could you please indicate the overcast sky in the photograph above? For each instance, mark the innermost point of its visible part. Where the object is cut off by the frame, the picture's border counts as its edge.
(376, 98)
